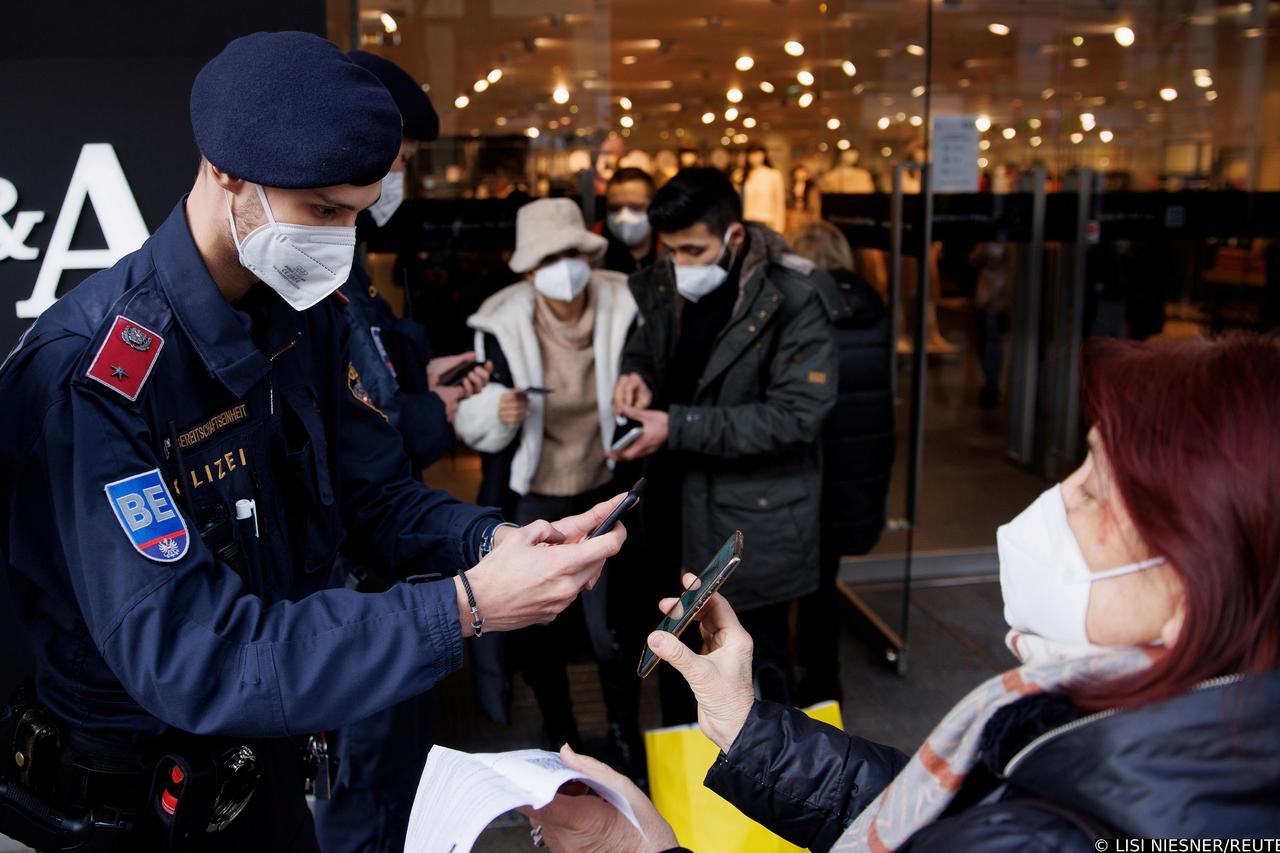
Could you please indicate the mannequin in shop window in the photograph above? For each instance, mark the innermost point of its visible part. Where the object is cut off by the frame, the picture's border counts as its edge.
(764, 194)
(846, 176)
(804, 199)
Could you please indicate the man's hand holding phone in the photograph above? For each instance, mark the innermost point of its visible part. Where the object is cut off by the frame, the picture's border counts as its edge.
(655, 424)
(536, 571)
(631, 392)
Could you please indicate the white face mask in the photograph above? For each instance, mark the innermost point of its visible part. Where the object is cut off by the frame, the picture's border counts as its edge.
(389, 201)
(1044, 578)
(697, 280)
(630, 227)
(302, 263)
(563, 280)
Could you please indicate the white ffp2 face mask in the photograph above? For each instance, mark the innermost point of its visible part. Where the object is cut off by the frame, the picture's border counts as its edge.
(629, 226)
(562, 280)
(389, 202)
(302, 263)
(1044, 578)
(695, 281)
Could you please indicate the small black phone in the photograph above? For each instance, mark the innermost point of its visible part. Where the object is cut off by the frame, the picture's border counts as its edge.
(632, 498)
(455, 375)
(693, 599)
(626, 433)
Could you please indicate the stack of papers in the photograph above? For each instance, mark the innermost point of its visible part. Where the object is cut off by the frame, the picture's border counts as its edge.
(460, 793)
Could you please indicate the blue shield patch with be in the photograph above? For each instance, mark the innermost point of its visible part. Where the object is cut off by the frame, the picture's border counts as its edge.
(149, 516)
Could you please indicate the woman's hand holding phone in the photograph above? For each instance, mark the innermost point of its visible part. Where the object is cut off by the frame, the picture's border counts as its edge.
(721, 677)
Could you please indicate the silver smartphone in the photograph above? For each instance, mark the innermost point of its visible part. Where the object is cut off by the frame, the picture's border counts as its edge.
(686, 609)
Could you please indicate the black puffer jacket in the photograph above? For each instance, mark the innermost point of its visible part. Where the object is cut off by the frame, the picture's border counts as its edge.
(1205, 764)
(857, 438)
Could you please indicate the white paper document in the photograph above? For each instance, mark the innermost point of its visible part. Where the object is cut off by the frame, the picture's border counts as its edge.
(460, 793)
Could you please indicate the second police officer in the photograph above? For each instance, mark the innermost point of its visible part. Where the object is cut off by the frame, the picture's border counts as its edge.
(191, 448)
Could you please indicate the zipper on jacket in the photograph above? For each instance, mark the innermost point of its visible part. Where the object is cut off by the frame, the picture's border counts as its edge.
(1212, 683)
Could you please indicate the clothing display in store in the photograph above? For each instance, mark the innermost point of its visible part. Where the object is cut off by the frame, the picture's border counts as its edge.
(847, 176)
(764, 193)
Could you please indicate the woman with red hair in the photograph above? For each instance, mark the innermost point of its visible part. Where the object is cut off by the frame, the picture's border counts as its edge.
(1143, 598)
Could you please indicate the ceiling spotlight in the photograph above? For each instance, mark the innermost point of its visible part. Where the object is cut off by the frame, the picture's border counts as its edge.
(805, 100)
(1035, 141)
(744, 63)
(848, 68)
(388, 23)
(733, 96)
(915, 50)
(766, 87)
(624, 102)
(883, 123)
(1211, 95)
(1008, 133)
(901, 116)
(1034, 123)
(982, 123)
(998, 29)
(708, 117)
(731, 114)
(480, 85)
(805, 78)
(844, 144)
(461, 102)
(748, 122)
(725, 140)
(1080, 62)
(494, 76)
(1106, 135)
(1078, 41)
(739, 139)
(1124, 36)
(532, 132)
(1077, 138)
(1046, 94)
(500, 121)
(833, 123)
(984, 144)
(886, 151)
(1087, 121)
(629, 59)
(1168, 93)
(1204, 81)
(983, 162)
(627, 121)
(917, 91)
(794, 48)
(916, 121)
(1253, 32)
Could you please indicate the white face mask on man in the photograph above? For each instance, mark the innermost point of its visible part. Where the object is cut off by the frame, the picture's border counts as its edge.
(629, 226)
(562, 280)
(1044, 578)
(302, 263)
(695, 281)
(389, 202)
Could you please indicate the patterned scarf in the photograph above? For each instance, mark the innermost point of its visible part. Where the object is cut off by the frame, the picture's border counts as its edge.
(921, 792)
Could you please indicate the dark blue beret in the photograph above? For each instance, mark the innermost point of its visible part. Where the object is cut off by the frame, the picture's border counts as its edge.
(290, 110)
(420, 119)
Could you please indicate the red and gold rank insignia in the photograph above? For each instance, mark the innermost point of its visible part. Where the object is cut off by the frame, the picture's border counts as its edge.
(125, 359)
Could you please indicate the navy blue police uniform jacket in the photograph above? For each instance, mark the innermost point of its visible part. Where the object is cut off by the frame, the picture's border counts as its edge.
(143, 404)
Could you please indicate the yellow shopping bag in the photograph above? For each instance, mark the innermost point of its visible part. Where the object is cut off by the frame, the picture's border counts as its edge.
(679, 758)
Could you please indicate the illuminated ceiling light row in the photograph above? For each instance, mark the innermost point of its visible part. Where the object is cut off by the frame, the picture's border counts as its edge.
(463, 101)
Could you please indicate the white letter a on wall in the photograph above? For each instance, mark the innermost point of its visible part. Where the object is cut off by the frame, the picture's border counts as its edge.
(99, 177)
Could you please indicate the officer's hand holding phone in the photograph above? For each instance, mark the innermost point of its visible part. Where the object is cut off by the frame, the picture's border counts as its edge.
(720, 677)
(536, 571)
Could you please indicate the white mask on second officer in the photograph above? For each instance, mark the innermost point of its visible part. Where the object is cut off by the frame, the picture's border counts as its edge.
(302, 263)
(387, 203)
(1044, 578)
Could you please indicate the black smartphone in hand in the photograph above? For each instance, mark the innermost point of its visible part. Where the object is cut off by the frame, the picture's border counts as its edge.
(632, 498)
(626, 432)
(454, 376)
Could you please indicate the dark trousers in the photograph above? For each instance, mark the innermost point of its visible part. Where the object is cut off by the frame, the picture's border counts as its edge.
(818, 633)
(542, 652)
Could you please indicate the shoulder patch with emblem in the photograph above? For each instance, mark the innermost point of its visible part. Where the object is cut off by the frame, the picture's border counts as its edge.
(145, 509)
(126, 357)
(356, 387)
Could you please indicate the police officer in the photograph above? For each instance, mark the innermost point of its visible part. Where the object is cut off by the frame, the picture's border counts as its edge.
(382, 755)
(191, 447)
